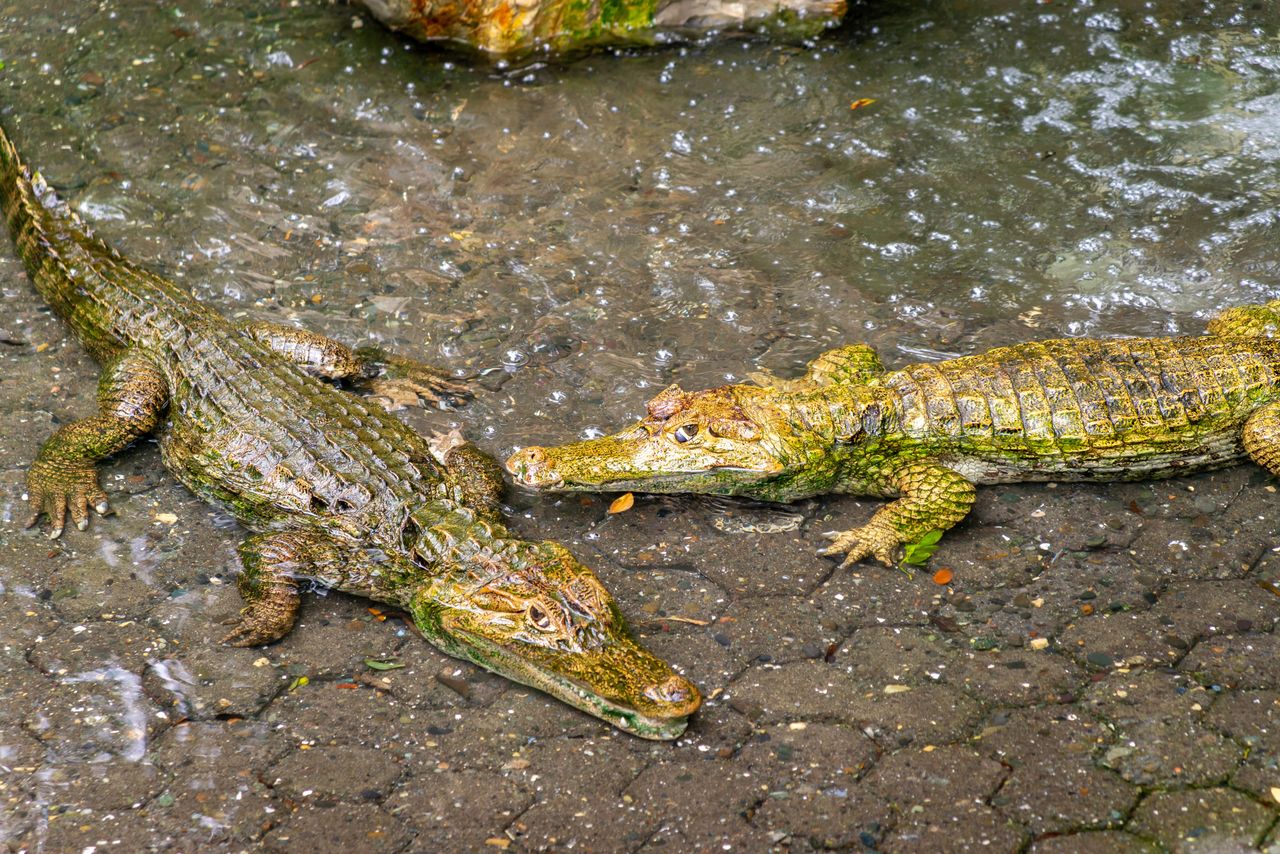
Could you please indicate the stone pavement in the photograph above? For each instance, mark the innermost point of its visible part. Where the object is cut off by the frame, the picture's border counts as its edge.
(1102, 673)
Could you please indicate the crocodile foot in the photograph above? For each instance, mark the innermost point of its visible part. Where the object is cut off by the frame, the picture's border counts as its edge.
(54, 488)
(402, 382)
(253, 628)
(874, 539)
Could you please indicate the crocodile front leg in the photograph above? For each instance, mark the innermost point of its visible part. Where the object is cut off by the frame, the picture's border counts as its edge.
(477, 474)
(934, 498)
(853, 364)
(132, 393)
(1262, 437)
(394, 380)
(272, 563)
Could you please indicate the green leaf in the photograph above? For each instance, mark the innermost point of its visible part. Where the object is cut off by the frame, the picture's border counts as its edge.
(382, 664)
(918, 553)
(300, 682)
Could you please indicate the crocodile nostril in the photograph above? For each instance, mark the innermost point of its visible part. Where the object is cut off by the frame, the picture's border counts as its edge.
(675, 689)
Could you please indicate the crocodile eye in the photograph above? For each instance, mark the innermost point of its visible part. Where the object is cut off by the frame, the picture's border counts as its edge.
(685, 432)
(540, 618)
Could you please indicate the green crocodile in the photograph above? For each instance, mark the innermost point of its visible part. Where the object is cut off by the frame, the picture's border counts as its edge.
(335, 489)
(1069, 409)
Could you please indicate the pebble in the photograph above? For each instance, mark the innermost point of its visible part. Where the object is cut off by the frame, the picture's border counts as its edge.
(1100, 659)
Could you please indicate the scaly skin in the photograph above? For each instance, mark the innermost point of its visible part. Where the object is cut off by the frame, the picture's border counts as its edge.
(335, 490)
(1071, 409)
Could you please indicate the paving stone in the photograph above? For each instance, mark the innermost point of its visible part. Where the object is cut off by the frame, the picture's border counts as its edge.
(97, 716)
(204, 681)
(335, 634)
(25, 690)
(694, 652)
(577, 787)
(935, 777)
(458, 810)
(85, 829)
(101, 579)
(1236, 661)
(1202, 820)
(1094, 842)
(708, 801)
(84, 647)
(430, 679)
(333, 713)
(24, 621)
(1160, 737)
(808, 775)
(1054, 783)
(112, 784)
(340, 827)
(775, 630)
(816, 691)
(1252, 719)
(215, 794)
(964, 827)
(870, 595)
(1015, 677)
(336, 771)
(652, 594)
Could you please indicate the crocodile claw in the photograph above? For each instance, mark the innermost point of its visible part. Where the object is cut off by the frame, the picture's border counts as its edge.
(401, 382)
(54, 490)
(251, 632)
(871, 540)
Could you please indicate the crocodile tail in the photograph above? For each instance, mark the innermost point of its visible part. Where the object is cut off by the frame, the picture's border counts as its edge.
(21, 198)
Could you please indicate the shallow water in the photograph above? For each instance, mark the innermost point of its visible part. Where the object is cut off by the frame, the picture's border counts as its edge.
(586, 233)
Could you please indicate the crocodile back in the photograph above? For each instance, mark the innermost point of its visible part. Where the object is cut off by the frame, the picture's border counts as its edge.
(1122, 408)
(279, 447)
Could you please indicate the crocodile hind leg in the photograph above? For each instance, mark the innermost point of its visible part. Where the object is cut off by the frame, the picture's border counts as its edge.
(853, 364)
(394, 380)
(473, 471)
(934, 498)
(1248, 321)
(1262, 437)
(272, 563)
(132, 393)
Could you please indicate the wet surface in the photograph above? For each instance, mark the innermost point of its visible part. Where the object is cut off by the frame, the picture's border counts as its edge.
(1101, 673)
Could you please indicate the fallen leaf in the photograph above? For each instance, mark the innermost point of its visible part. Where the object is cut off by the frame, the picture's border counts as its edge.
(862, 102)
(382, 664)
(896, 689)
(622, 503)
(943, 576)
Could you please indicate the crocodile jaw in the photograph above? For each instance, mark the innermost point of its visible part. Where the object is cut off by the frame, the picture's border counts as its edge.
(505, 662)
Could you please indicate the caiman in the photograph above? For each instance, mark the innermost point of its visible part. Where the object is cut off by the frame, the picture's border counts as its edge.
(334, 489)
(1071, 409)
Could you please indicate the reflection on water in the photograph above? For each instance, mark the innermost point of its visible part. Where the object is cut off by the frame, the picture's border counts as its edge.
(587, 233)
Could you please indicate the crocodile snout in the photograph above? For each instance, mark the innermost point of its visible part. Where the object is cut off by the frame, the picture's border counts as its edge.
(676, 695)
(532, 467)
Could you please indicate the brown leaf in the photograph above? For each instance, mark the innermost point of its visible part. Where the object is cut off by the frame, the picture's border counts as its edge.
(622, 503)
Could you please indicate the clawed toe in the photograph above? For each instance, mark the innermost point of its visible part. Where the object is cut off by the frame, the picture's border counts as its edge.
(247, 632)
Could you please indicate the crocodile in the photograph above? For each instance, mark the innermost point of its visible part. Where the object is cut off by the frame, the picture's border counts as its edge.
(335, 491)
(1072, 409)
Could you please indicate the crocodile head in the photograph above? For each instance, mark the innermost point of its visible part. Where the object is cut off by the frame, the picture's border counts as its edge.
(732, 440)
(532, 613)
